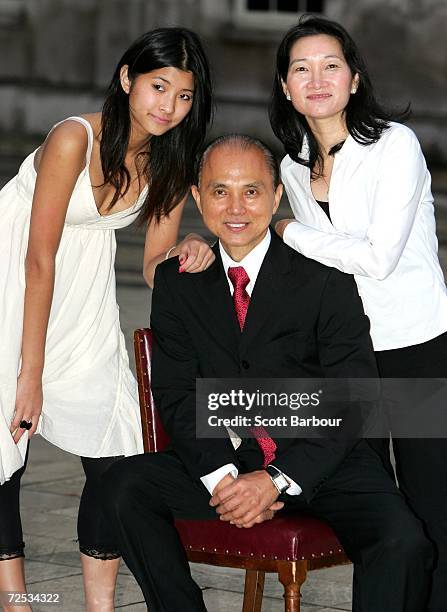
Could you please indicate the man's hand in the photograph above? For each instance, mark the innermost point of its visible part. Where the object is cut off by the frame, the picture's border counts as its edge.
(226, 480)
(248, 499)
(281, 225)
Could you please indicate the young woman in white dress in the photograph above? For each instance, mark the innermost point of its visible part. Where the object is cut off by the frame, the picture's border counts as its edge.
(359, 188)
(64, 369)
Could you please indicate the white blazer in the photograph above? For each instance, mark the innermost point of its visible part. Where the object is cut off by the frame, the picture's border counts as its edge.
(383, 231)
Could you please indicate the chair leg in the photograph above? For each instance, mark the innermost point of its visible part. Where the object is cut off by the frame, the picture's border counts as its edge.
(254, 589)
(292, 574)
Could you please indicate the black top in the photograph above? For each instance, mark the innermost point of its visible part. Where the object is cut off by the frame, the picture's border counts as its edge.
(325, 208)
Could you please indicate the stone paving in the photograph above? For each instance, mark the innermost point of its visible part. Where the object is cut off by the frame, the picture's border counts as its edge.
(54, 480)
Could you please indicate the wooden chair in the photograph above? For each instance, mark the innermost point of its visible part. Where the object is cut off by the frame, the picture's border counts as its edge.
(287, 545)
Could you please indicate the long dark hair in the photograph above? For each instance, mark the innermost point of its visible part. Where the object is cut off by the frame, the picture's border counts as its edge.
(170, 161)
(365, 118)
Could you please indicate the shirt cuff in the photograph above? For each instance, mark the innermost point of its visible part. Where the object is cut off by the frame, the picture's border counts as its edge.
(294, 488)
(213, 478)
(288, 235)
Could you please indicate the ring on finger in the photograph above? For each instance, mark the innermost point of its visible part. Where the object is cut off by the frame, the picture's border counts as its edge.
(25, 424)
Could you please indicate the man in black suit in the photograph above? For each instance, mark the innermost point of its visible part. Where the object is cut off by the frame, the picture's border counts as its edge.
(261, 310)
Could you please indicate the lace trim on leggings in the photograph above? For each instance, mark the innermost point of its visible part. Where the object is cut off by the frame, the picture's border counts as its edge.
(6, 556)
(104, 555)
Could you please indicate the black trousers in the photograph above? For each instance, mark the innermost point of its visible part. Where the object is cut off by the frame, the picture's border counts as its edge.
(392, 557)
(96, 539)
(421, 465)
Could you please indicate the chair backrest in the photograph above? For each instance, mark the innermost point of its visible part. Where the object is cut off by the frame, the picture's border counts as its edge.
(154, 436)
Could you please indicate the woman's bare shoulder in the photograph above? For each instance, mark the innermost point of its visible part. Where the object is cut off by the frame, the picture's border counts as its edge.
(69, 140)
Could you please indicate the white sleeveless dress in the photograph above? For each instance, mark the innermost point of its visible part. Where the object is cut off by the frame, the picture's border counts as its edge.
(90, 405)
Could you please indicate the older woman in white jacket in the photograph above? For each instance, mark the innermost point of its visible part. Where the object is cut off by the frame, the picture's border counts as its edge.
(359, 188)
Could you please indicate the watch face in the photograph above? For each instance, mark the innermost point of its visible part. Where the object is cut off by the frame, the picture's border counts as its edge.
(278, 479)
(282, 483)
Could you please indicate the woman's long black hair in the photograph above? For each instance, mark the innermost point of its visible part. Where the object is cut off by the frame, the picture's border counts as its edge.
(365, 118)
(170, 162)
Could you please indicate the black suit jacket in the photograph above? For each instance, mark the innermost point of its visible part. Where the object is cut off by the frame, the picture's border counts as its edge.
(304, 320)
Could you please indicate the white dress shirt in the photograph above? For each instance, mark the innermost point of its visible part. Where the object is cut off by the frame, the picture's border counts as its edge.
(251, 264)
(382, 231)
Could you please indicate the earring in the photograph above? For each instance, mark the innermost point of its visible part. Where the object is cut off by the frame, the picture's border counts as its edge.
(288, 97)
(353, 91)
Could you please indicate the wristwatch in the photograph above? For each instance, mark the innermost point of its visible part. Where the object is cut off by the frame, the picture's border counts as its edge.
(278, 478)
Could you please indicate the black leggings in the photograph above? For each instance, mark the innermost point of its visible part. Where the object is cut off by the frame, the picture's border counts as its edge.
(11, 536)
(94, 535)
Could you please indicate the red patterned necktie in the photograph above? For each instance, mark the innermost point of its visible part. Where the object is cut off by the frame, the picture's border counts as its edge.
(240, 279)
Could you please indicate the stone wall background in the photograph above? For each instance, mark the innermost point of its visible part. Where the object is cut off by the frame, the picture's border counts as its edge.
(57, 56)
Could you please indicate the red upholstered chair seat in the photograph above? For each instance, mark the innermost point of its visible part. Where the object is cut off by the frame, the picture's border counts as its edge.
(292, 538)
(289, 544)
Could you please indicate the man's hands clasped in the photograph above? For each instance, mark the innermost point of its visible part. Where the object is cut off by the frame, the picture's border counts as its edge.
(246, 500)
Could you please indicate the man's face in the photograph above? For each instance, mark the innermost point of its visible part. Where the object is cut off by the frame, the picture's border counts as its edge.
(236, 197)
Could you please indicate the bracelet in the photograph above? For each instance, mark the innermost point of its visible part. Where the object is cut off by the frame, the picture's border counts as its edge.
(169, 251)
